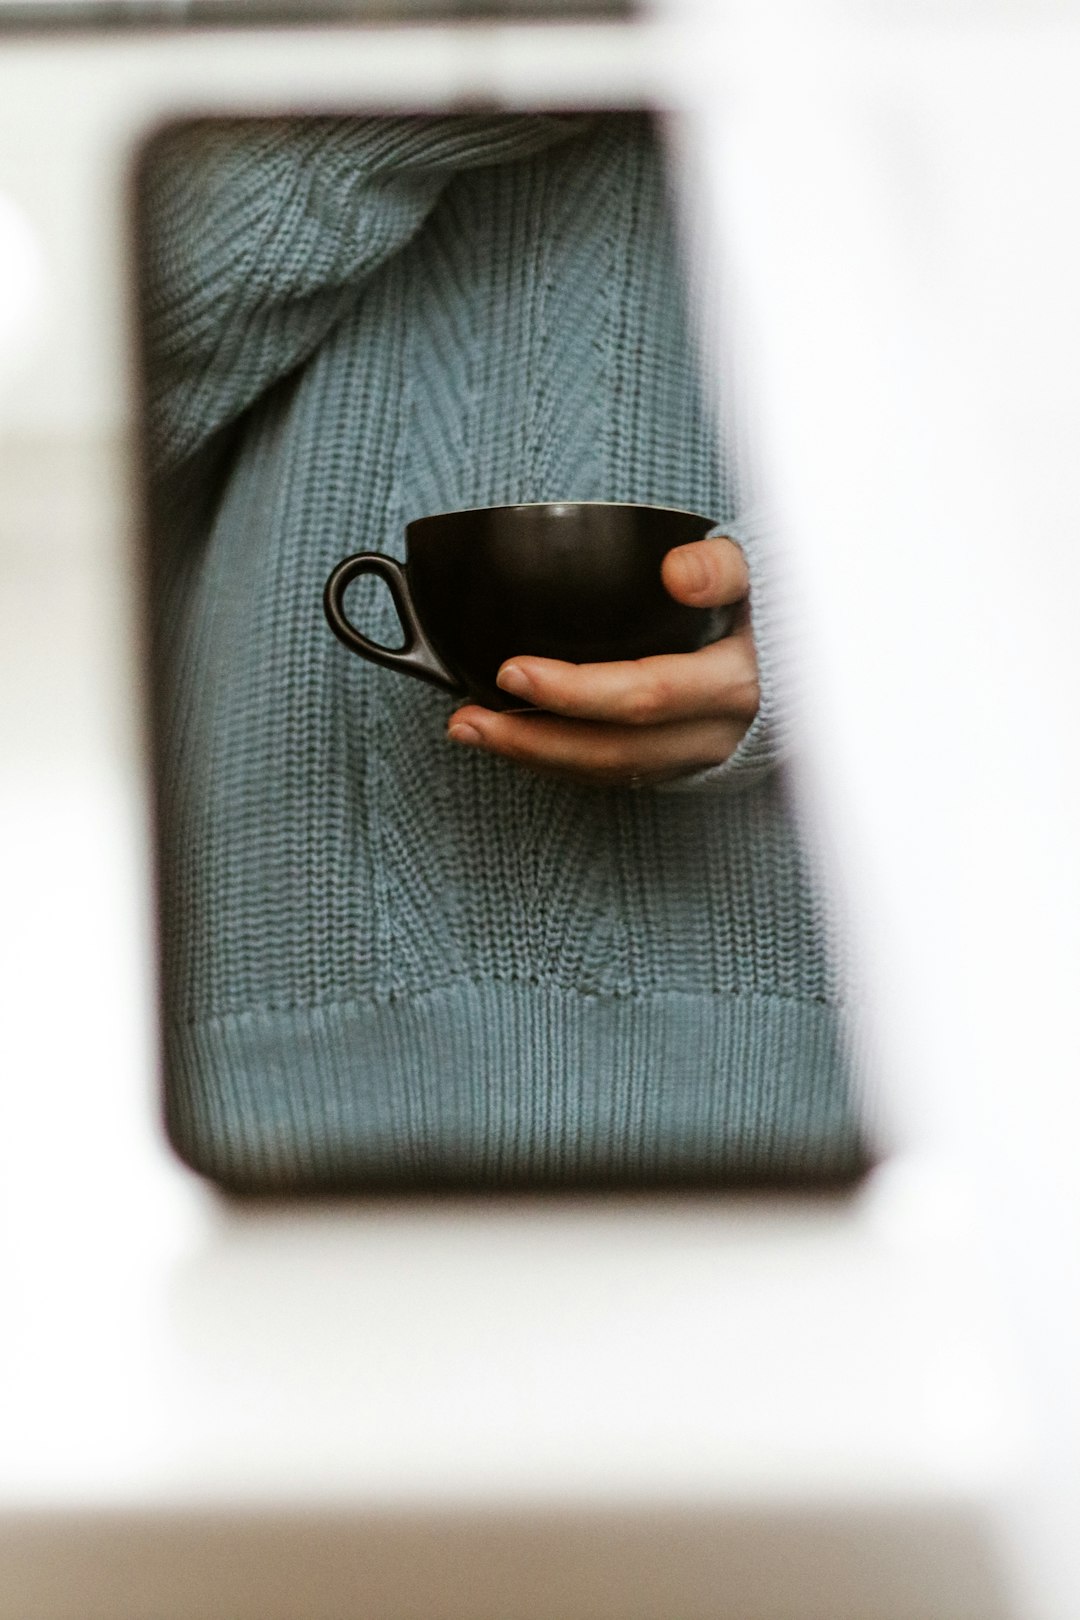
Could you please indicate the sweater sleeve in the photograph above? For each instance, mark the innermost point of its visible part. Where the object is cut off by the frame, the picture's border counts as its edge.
(768, 740)
(258, 235)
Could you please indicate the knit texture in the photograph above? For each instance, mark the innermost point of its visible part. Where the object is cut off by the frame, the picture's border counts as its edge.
(388, 960)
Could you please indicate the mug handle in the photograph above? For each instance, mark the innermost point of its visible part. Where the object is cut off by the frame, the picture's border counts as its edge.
(417, 657)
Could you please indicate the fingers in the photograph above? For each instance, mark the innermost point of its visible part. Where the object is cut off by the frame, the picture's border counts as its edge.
(719, 681)
(605, 755)
(639, 721)
(706, 573)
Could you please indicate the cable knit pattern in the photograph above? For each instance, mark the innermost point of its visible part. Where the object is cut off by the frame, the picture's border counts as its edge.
(388, 960)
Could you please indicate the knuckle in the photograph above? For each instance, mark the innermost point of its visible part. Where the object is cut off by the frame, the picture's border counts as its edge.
(712, 572)
(646, 704)
(728, 564)
(743, 698)
(742, 695)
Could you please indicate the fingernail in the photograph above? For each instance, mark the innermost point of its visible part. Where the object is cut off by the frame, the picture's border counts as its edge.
(465, 734)
(514, 679)
(691, 567)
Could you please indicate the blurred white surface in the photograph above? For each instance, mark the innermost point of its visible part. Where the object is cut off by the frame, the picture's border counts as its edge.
(908, 259)
(22, 276)
(631, 1408)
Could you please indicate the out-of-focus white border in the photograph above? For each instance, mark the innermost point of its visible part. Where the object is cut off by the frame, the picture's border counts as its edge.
(879, 217)
(894, 206)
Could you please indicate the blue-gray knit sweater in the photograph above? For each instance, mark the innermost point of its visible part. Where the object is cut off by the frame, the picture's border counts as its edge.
(388, 960)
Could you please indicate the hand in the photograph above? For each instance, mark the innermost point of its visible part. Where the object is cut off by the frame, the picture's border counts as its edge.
(639, 722)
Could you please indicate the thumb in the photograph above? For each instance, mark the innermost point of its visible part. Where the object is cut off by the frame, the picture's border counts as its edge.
(706, 573)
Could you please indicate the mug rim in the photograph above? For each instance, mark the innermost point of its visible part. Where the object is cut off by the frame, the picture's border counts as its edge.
(526, 506)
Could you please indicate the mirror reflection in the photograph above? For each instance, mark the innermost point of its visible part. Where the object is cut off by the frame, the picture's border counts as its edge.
(477, 862)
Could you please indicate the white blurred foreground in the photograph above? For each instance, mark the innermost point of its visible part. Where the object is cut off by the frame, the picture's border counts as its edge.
(823, 1409)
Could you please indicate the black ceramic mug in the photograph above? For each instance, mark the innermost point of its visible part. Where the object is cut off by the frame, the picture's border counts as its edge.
(576, 580)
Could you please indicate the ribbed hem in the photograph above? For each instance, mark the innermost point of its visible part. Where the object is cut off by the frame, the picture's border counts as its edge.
(504, 1085)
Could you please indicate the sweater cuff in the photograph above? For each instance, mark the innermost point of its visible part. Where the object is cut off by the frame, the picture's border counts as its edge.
(768, 740)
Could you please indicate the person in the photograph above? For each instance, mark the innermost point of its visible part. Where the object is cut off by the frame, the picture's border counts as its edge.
(408, 941)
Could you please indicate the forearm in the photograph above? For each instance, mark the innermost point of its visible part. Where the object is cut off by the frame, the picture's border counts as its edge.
(259, 236)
